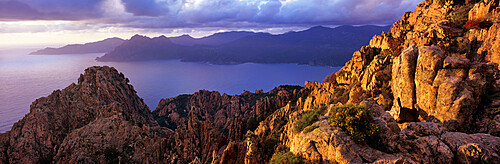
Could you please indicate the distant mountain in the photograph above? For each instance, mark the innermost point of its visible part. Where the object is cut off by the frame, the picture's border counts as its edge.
(141, 47)
(213, 40)
(102, 46)
(315, 46)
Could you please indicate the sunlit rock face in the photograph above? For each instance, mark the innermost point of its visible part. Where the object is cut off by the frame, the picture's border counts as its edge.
(438, 84)
(440, 70)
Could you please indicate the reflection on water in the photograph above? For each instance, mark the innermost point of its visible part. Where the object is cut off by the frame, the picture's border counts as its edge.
(24, 78)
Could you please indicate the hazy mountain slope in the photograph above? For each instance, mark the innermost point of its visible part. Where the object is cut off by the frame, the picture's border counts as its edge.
(315, 46)
(212, 40)
(139, 48)
(93, 47)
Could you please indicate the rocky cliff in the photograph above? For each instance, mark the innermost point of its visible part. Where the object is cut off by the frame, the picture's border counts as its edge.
(101, 119)
(430, 84)
(205, 122)
(425, 92)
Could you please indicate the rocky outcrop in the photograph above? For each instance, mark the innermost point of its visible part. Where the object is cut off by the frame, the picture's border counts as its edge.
(438, 79)
(206, 122)
(415, 142)
(430, 60)
(403, 84)
(80, 122)
(440, 71)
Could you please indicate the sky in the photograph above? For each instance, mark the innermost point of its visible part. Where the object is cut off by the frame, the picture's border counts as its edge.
(59, 22)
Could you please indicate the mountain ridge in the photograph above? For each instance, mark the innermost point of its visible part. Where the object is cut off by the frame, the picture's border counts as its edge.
(91, 47)
(211, 40)
(316, 46)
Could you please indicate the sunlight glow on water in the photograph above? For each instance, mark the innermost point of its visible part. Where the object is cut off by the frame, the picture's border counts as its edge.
(24, 78)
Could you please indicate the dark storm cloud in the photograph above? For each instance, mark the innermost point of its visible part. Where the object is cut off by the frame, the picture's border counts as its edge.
(259, 13)
(49, 9)
(144, 7)
(211, 13)
(17, 10)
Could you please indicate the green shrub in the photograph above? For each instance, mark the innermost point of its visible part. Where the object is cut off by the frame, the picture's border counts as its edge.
(287, 158)
(341, 95)
(441, 2)
(306, 120)
(460, 15)
(357, 122)
(310, 128)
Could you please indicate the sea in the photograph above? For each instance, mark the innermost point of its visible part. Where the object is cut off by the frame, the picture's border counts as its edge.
(24, 78)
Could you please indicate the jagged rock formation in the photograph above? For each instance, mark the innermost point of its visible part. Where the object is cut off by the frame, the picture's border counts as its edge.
(205, 122)
(79, 123)
(439, 69)
(429, 83)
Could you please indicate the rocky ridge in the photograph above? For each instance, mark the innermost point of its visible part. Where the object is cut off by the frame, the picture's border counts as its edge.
(79, 123)
(205, 122)
(430, 84)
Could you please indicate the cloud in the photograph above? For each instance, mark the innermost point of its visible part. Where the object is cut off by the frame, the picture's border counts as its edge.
(17, 10)
(49, 9)
(258, 13)
(209, 13)
(144, 7)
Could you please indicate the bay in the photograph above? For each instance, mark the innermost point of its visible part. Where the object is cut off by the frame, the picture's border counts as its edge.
(24, 78)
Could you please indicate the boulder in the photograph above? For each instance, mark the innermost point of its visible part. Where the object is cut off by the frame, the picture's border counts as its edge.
(403, 86)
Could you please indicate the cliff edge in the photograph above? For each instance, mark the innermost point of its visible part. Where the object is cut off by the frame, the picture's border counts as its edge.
(101, 119)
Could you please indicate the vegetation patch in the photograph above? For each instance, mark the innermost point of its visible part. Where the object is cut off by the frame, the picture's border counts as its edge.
(357, 122)
(477, 24)
(472, 24)
(287, 158)
(306, 120)
(473, 154)
(440, 2)
(310, 128)
(460, 15)
(341, 95)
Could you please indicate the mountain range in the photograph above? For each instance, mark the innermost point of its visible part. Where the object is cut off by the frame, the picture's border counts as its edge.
(315, 46)
(212, 40)
(93, 47)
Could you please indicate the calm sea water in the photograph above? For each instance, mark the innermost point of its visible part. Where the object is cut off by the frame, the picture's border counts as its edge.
(24, 78)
